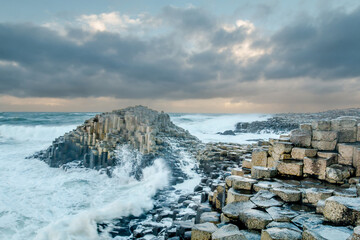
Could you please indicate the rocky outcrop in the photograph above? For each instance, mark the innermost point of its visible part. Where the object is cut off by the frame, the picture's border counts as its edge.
(94, 143)
(285, 122)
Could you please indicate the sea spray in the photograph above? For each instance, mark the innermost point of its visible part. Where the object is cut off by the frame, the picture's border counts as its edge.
(138, 199)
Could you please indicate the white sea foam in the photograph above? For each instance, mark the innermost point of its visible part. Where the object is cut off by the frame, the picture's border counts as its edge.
(206, 126)
(49, 203)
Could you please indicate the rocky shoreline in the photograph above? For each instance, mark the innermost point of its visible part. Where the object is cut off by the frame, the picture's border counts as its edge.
(303, 185)
(285, 122)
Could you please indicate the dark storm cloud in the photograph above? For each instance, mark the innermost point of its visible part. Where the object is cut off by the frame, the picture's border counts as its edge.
(127, 66)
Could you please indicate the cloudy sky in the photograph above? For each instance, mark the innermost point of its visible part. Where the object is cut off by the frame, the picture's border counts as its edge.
(180, 56)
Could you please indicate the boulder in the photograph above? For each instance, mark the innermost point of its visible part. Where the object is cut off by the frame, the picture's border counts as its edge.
(259, 157)
(346, 153)
(236, 196)
(228, 232)
(325, 232)
(276, 233)
(313, 195)
(322, 125)
(232, 210)
(287, 194)
(290, 167)
(301, 153)
(281, 214)
(342, 210)
(300, 138)
(272, 163)
(203, 231)
(254, 219)
(337, 173)
(251, 234)
(258, 172)
(317, 166)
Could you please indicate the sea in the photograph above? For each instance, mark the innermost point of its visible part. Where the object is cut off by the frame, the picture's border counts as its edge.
(43, 203)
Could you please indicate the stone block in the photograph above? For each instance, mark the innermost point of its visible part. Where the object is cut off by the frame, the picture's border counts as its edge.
(266, 185)
(347, 128)
(237, 196)
(281, 214)
(240, 183)
(300, 138)
(317, 166)
(203, 231)
(322, 125)
(324, 154)
(255, 219)
(356, 161)
(328, 136)
(342, 210)
(271, 162)
(301, 153)
(227, 232)
(358, 133)
(212, 217)
(346, 153)
(246, 163)
(290, 167)
(263, 172)
(337, 173)
(265, 199)
(232, 210)
(287, 194)
(276, 233)
(306, 127)
(324, 145)
(324, 232)
(237, 172)
(259, 157)
(313, 195)
(282, 147)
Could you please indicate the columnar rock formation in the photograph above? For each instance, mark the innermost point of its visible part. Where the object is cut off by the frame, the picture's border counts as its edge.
(301, 186)
(94, 142)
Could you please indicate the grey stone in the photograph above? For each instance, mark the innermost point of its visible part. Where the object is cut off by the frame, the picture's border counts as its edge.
(238, 182)
(280, 234)
(301, 153)
(313, 195)
(324, 232)
(213, 217)
(265, 199)
(300, 138)
(232, 210)
(203, 231)
(255, 219)
(258, 172)
(236, 196)
(228, 232)
(290, 167)
(321, 125)
(307, 220)
(281, 214)
(287, 194)
(337, 173)
(342, 210)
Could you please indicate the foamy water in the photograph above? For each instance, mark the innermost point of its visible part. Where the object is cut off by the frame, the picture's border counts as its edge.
(39, 202)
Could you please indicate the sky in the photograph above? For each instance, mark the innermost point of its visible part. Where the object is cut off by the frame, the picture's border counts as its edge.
(205, 56)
